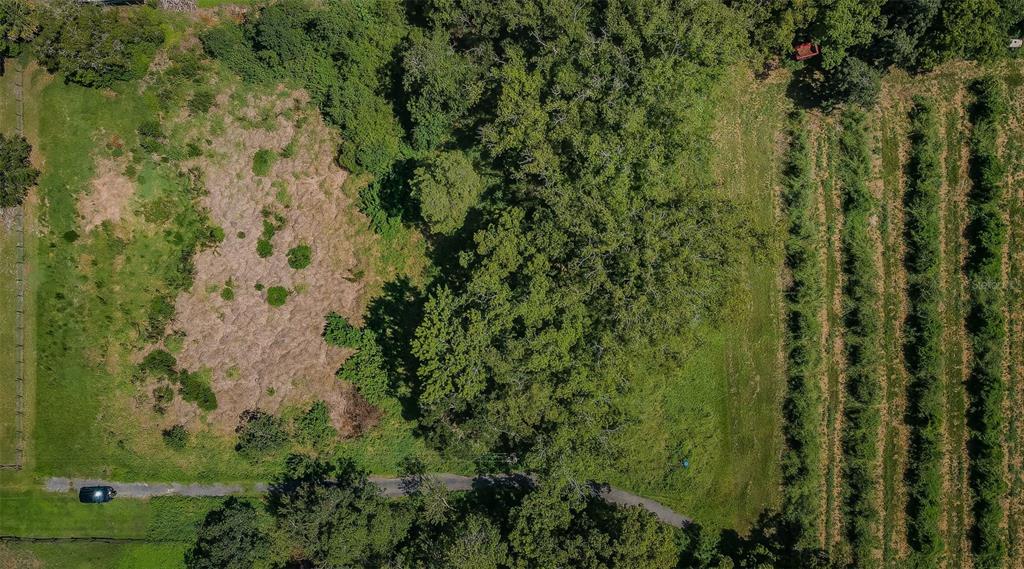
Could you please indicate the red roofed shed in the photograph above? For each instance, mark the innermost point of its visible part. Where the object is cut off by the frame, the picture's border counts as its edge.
(805, 50)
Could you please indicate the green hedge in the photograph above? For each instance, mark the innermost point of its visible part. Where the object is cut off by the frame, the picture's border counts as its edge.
(986, 324)
(923, 345)
(864, 352)
(802, 408)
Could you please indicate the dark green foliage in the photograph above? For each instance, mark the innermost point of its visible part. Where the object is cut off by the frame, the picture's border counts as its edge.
(161, 310)
(923, 331)
(330, 515)
(230, 537)
(854, 81)
(201, 102)
(299, 257)
(264, 248)
(367, 370)
(318, 47)
(277, 295)
(227, 293)
(441, 84)
(19, 23)
(159, 363)
(151, 135)
(263, 161)
(314, 428)
(175, 437)
(163, 396)
(603, 235)
(338, 332)
(195, 388)
(259, 434)
(96, 47)
(864, 354)
(446, 186)
(803, 406)
(986, 324)
(16, 172)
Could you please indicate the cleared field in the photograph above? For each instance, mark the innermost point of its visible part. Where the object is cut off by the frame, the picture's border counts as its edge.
(719, 408)
(92, 555)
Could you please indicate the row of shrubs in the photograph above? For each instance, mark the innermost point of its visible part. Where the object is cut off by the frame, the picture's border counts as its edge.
(864, 354)
(804, 296)
(986, 324)
(923, 335)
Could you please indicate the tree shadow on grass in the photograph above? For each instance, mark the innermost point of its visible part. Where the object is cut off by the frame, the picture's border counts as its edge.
(394, 316)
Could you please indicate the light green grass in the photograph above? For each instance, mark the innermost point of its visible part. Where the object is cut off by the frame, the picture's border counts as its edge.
(35, 513)
(8, 438)
(215, 3)
(86, 555)
(721, 408)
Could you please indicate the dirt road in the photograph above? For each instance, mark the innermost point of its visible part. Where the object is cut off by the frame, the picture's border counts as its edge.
(391, 487)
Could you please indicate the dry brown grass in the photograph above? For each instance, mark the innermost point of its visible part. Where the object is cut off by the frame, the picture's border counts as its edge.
(259, 356)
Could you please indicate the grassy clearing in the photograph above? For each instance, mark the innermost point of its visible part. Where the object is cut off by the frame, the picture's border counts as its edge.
(720, 408)
(93, 555)
(161, 519)
(8, 439)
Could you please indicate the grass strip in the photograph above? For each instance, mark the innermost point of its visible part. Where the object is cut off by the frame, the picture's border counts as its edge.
(864, 354)
(986, 324)
(923, 336)
(804, 297)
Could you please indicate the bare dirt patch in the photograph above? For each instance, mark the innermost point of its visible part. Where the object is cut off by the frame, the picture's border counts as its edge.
(110, 195)
(257, 355)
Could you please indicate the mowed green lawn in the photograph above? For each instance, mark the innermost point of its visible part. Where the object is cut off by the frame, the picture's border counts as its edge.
(93, 555)
(720, 409)
(8, 439)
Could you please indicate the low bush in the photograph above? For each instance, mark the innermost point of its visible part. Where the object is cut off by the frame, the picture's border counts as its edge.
(195, 389)
(175, 437)
(338, 332)
(923, 346)
(163, 396)
(264, 248)
(314, 428)
(227, 293)
(263, 161)
(259, 433)
(277, 295)
(366, 369)
(201, 102)
(159, 363)
(151, 135)
(299, 257)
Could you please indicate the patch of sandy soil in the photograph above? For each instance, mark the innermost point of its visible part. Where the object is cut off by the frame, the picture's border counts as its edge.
(110, 195)
(261, 356)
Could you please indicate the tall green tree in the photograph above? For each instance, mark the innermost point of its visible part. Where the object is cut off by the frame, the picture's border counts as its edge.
(446, 186)
(16, 172)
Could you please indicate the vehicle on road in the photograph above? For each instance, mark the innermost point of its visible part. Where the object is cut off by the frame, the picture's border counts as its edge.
(96, 494)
